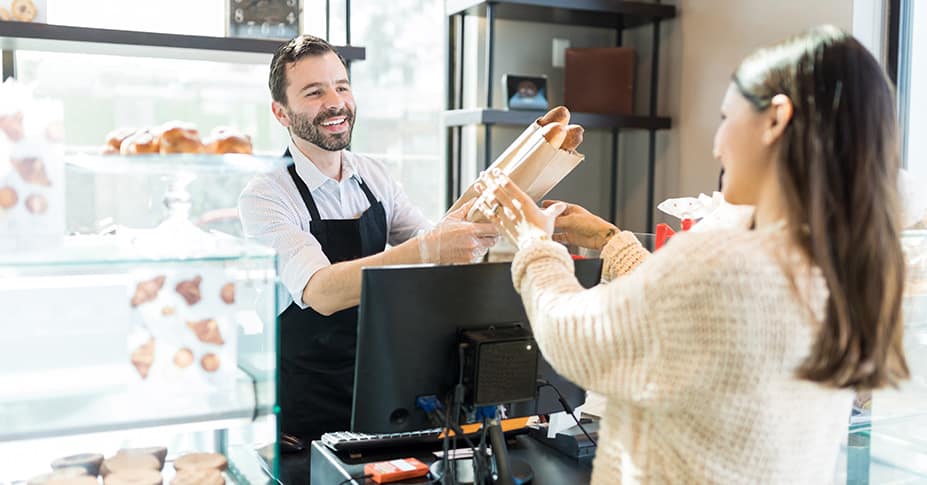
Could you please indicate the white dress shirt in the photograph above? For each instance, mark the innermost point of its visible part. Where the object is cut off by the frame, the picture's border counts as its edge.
(273, 213)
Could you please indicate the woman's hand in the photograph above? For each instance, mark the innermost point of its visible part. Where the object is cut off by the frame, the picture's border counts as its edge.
(578, 227)
(512, 211)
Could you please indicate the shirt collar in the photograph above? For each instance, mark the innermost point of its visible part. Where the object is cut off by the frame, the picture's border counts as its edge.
(310, 173)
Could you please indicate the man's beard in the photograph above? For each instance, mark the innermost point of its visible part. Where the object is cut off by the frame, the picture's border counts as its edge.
(311, 130)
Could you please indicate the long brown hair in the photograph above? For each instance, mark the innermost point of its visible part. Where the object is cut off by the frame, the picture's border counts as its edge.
(838, 169)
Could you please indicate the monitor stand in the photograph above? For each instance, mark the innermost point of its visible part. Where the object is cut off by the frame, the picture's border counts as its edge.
(508, 471)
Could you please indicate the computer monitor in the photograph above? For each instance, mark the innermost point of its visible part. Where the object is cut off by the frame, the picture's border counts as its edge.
(407, 338)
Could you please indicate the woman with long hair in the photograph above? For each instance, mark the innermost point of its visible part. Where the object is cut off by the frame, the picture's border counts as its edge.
(732, 356)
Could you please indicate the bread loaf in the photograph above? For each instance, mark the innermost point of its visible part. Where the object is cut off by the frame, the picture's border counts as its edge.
(574, 136)
(560, 115)
(554, 134)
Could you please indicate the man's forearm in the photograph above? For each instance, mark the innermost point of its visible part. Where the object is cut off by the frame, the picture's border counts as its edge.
(337, 287)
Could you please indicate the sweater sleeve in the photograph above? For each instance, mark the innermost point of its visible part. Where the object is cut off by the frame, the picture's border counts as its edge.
(621, 254)
(649, 337)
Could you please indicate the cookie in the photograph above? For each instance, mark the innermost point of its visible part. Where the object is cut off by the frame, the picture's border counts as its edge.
(23, 10)
(196, 476)
(129, 462)
(158, 452)
(8, 197)
(198, 461)
(227, 293)
(190, 290)
(37, 204)
(207, 331)
(183, 358)
(58, 476)
(210, 362)
(147, 290)
(142, 358)
(134, 477)
(88, 461)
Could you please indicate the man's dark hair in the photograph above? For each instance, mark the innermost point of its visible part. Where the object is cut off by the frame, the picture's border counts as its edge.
(290, 52)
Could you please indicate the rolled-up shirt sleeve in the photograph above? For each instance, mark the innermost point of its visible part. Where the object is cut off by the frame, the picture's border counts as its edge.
(270, 220)
(405, 218)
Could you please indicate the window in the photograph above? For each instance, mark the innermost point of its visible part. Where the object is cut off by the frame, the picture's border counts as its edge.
(911, 85)
(399, 87)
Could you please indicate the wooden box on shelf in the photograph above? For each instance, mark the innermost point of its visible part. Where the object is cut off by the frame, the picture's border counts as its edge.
(599, 80)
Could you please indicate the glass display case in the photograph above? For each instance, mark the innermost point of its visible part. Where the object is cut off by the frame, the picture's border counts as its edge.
(144, 326)
(887, 442)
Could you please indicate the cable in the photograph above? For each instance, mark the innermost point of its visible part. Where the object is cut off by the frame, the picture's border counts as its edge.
(352, 479)
(567, 408)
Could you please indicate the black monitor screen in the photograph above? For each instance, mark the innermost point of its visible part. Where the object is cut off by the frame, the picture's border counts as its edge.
(410, 319)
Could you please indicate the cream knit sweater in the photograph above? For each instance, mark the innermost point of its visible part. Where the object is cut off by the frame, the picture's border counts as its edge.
(695, 350)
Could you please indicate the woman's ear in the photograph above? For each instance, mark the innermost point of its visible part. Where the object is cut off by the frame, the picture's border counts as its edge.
(781, 111)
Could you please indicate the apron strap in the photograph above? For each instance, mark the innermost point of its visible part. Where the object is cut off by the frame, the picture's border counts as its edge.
(304, 193)
(370, 198)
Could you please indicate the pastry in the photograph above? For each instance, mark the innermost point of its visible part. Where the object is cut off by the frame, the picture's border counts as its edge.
(115, 138)
(554, 133)
(90, 462)
(574, 136)
(121, 462)
(36, 204)
(4, 14)
(198, 476)
(183, 358)
(23, 10)
(172, 128)
(190, 290)
(207, 331)
(560, 115)
(58, 475)
(12, 125)
(210, 362)
(176, 137)
(142, 358)
(225, 140)
(139, 143)
(227, 293)
(158, 452)
(134, 477)
(81, 480)
(32, 170)
(8, 197)
(147, 290)
(199, 461)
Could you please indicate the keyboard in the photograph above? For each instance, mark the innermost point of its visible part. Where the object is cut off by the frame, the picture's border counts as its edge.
(356, 442)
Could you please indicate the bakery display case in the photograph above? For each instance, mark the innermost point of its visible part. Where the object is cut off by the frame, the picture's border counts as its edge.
(887, 442)
(143, 327)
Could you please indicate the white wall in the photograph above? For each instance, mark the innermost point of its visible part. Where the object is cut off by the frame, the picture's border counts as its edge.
(699, 50)
(705, 44)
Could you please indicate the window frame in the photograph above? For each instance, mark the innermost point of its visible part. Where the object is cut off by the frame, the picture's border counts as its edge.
(900, 49)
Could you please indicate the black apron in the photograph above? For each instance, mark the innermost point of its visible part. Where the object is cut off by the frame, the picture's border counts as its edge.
(317, 352)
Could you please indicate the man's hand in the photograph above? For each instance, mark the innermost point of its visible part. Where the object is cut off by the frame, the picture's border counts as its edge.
(454, 240)
(513, 211)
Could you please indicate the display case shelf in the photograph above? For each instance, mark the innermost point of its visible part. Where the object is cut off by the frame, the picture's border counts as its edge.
(208, 164)
(588, 13)
(115, 408)
(85, 40)
(123, 250)
(465, 117)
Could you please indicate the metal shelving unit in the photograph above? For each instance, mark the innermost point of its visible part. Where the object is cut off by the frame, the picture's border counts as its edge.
(63, 38)
(612, 14)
